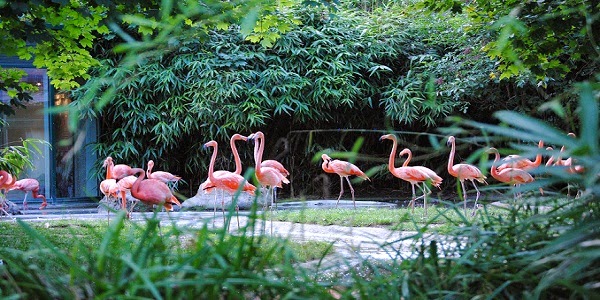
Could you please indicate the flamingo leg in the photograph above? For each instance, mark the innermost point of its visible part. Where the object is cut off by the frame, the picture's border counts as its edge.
(462, 183)
(426, 191)
(215, 209)
(341, 191)
(414, 198)
(478, 193)
(351, 191)
(124, 204)
(25, 201)
(237, 214)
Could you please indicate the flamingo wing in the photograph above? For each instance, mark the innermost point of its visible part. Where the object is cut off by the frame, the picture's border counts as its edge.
(164, 176)
(345, 169)
(410, 174)
(468, 172)
(276, 165)
(514, 176)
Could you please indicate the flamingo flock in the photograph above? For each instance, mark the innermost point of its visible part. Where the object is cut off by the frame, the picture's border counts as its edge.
(151, 187)
(271, 174)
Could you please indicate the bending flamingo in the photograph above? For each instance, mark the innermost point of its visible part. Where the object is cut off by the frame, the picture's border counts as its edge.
(152, 191)
(512, 176)
(125, 185)
(269, 163)
(29, 185)
(344, 169)
(519, 162)
(268, 177)
(414, 175)
(464, 172)
(227, 181)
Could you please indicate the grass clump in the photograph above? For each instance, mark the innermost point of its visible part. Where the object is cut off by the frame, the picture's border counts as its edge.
(89, 259)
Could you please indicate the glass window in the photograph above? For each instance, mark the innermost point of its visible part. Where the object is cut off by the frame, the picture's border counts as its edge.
(31, 122)
(74, 157)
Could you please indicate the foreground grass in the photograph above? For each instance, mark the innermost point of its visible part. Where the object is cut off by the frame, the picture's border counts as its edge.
(89, 234)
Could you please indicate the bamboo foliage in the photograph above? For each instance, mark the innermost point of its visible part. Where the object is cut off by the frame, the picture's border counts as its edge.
(322, 71)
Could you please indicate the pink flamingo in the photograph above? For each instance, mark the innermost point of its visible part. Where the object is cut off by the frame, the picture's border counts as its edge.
(115, 171)
(124, 185)
(227, 181)
(569, 161)
(6, 181)
(414, 175)
(269, 163)
(519, 162)
(268, 177)
(512, 176)
(163, 176)
(433, 177)
(464, 172)
(29, 185)
(344, 169)
(152, 191)
(208, 186)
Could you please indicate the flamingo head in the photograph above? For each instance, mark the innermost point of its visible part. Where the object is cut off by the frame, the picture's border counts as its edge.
(492, 150)
(387, 137)
(210, 144)
(405, 151)
(326, 157)
(450, 140)
(238, 136)
(150, 164)
(108, 161)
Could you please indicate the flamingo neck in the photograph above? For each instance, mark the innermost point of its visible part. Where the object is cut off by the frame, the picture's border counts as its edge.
(211, 166)
(135, 187)
(236, 157)
(407, 159)
(538, 157)
(149, 171)
(451, 160)
(494, 170)
(258, 153)
(109, 169)
(393, 155)
(4, 176)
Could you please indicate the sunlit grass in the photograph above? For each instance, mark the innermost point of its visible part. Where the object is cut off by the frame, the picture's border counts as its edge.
(439, 219)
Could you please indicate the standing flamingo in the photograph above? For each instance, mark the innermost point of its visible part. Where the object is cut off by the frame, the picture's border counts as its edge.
(29, 185)
(227, 181)
(414, 175)
(268, 177)
(163, 176)
(6, 180)
(464, 172)
(512, 176)
(151, 191)
(269, 163)
(519, 162)
(344, 169)
(115, 171)
(208, 186)
(125, 185)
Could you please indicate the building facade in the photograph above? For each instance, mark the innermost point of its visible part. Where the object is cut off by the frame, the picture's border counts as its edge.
(65, 168)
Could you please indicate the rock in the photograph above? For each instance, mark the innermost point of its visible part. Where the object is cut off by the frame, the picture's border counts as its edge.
(206, 201)
(11, 208)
